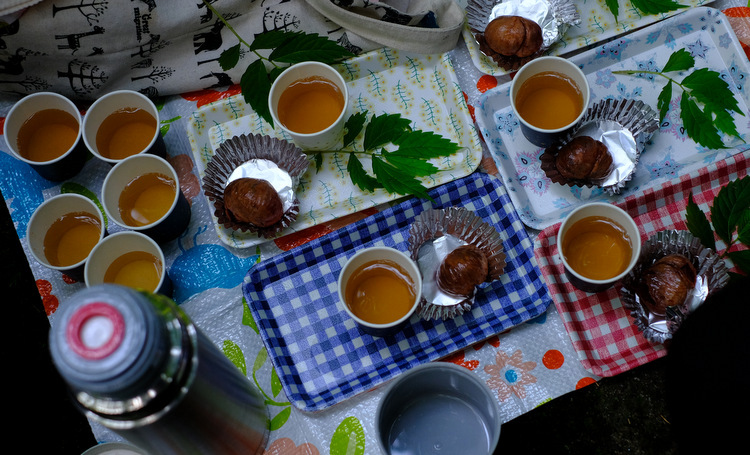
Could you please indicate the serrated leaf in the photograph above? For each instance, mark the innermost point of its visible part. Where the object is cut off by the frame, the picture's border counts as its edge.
(359, 176)
(255, 87)
(235, 355)
(384, 129)
(680, 60)
(353, 126)
(725, 123)
(318, 159)
(698, 225)
(302, 47)
(614, 7)
(664, 100)
(349, 438)
(743, 227)
(656, 6)
(699, 126)
(723, 205)
(425, 144)
(280, 419)
(229, 57)
(270, 39)
(708, 87)
(410, 164)
(395, 180)
(741, 259)
(741, 202)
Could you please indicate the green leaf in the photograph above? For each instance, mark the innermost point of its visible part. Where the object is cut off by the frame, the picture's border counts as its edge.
(725, 123)
(741, 202)
(708, 87)
(384, 129)
(698, 224)
(723, 206)
(425, 144)
(680, 60)
(662, 102)
(353, 127)
(302, 47)
(255, 86)
(234, 353)
(743, 227)
(270, 39)
(395, 180)
(349, 438)
(698, 125)
(656, 6)
(359, 176)
(410, 164)
(318, 159)
(614, 7)
(280, 419)
(741, 259)
(229, 57)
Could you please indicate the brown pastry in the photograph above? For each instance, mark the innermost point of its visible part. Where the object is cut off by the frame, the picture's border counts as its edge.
(513, 36)
(254, 201)
(667, 283)
(462, 270)
(584, 158)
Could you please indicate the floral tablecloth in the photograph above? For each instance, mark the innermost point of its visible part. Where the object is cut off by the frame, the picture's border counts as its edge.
(525, 367)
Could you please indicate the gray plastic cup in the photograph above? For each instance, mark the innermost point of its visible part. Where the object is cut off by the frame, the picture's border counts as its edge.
(438, 408)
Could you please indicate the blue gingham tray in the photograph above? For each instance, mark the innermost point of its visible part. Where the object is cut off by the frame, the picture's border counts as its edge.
(318, 352)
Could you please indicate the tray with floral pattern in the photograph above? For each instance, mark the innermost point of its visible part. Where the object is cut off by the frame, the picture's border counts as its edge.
(422, 88)
(704, 32)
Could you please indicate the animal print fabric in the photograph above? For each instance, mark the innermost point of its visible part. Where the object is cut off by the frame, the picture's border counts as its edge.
(85, 48)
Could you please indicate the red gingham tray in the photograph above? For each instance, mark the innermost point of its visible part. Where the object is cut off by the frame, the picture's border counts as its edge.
(602, 331)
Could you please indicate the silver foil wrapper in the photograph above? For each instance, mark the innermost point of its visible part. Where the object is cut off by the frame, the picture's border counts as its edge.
(712, 275)
(281, 163)
(554, 17)
(433, 235)
(624, 126)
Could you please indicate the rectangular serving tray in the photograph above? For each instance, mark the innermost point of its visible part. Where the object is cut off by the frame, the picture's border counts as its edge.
(319, 353)
(704, 32)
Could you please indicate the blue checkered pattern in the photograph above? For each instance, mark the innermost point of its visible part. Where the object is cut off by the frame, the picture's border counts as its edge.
(319, 353)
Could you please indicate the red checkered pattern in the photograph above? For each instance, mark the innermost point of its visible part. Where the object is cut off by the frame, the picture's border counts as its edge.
(601, 330)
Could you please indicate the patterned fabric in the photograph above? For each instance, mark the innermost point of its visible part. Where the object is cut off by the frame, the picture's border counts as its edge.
(602, 331)
(320, 354)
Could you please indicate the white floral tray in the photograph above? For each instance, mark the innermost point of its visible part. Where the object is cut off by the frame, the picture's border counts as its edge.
(422, 88)
(704, 32)
(597, 25)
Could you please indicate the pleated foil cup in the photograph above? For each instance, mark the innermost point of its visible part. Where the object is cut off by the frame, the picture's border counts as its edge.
(625, 126)
(281, 163)
(433, 234)
(712, 275)
(554, 17)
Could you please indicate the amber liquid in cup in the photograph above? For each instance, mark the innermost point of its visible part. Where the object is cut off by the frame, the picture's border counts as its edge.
(549, 100)
(70, 238)
(136, 269)
(310, 105)
(146, 199)
(380, 292)
(125, 132)
(47, 135)
(597, 248)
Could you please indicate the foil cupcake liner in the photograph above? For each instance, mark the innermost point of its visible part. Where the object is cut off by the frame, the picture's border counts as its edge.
(625, 126)
(712, 275)
(555, 17)
(281, 163)
(436, 232)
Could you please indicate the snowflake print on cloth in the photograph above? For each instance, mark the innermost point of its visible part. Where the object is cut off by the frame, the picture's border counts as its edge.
(510, 375)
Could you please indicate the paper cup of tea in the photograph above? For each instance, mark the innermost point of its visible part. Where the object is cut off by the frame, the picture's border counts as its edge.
(44, 131)
(129, 259)
(63, 230)
(309, 101)
(120, 124)
(142, 193)
(380, 288)
(549, 95)
(598, 244)
(438, 405)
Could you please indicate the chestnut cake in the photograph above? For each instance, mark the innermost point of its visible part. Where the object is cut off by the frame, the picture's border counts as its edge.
(513, 36)
(584, 159)
(462, 270)
(667, 283)
(254, 201)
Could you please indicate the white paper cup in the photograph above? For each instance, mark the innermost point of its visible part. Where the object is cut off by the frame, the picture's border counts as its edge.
(438, 405)
(118, 244)
(109, 104)
(49, 212)
(542, 137)
(615, 214)
(172, 223)
(66, 165)
(373, 254)
(327, 139)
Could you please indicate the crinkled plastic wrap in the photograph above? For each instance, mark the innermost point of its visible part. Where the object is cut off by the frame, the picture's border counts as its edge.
(432, 236)
(712, 275)
(624, 126)
(280, 163)
(554, 17)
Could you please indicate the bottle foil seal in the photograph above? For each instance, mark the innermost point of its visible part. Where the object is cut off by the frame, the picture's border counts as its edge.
(711, 275)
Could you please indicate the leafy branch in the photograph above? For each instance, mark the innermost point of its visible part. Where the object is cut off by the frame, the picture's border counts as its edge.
(395, 171)
(286, 48)
(707, 109)
(730, 222)
(646, 6)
